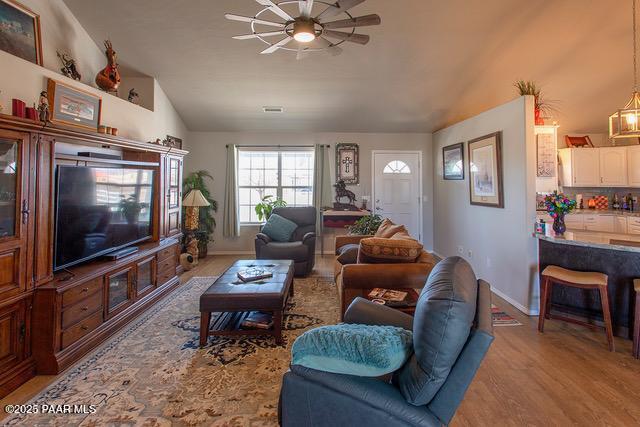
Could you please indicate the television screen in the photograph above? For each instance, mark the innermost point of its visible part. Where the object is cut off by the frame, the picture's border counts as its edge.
(99, 210)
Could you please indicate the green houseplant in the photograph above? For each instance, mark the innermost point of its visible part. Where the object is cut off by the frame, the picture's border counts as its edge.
(207, 223)
(367, 225)
(266, 206)
(131, 208)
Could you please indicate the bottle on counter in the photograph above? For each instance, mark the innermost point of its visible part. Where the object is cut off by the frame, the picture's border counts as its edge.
(616, 202)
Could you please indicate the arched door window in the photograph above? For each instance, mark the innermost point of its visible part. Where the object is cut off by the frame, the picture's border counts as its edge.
(396, 166)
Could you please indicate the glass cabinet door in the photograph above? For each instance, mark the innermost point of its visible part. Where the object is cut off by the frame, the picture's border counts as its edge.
(145, 276)
(9, 192)
(118, 294)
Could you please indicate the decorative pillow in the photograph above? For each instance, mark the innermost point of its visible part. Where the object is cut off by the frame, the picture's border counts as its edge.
(348, 254)
(279, 228)
(363, 350)
(388, 228)
(375, 250)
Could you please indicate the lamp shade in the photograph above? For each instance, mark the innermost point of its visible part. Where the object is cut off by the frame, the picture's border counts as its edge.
(194, 198)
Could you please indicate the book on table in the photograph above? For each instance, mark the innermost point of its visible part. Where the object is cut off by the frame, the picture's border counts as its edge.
(257, 320)
(388, 295)
(252, 274)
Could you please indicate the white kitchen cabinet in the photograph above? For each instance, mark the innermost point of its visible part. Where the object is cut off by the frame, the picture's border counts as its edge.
(580, 167)
(633, 165)
(574, 222)
(633, 225)
(602, 223)
(613, 166)
(620, 224)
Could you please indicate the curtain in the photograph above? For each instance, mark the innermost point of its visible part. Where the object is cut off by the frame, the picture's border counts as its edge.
(322, 193)
(230, 222)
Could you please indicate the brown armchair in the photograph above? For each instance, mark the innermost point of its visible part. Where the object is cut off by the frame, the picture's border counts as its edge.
(356, 280)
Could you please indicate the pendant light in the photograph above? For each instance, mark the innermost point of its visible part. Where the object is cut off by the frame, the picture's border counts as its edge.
(625, 123)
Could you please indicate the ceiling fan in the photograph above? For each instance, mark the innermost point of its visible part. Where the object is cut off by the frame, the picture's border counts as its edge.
(312, 32)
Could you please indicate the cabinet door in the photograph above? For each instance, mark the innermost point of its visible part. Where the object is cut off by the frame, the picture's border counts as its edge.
(119, 291)
(173, 215)
(574, 222)
(585, 167)
(620, 224)
(145, 280)
(13, 331)
(633, 165)
(613, 166)
(15, 209)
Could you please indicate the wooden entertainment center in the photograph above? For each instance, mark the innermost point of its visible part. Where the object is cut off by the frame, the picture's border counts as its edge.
(49, 321)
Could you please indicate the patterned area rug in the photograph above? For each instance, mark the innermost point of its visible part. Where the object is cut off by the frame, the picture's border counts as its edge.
(154, 374)
(500, 318)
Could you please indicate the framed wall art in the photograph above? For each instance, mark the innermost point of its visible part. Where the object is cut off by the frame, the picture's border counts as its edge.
(20, 31)
(73, 107)
(485, 171)
(347, 163)
(173, 142)
(453, 162)
(546, 155)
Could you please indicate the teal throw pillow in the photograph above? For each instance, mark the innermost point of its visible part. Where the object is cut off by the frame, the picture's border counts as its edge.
(279, 228)
(362, 350)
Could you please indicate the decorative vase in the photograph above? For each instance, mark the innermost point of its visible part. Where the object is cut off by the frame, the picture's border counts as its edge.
(558, 225)
(538, 117)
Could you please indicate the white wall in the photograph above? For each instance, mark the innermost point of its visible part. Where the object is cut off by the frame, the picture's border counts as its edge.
(207, 151)
(61, 31)
(497, 242)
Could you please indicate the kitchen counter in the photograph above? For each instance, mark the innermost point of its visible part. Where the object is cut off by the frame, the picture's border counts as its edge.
(636, 213)
(594, 239)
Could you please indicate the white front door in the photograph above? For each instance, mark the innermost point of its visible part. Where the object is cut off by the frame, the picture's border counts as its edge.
(397, 190)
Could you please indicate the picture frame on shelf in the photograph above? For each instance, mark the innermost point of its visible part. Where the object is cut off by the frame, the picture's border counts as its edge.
(348, 163)
(73, 107)
(173, 142)
(453, 162)
(485, 171)
(21, 35)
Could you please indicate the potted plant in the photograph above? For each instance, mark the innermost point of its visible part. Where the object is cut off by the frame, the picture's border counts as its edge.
(266, 206)
(558, 205)
(207, 223)
(131, 208)
(365, 226)
(541, 106)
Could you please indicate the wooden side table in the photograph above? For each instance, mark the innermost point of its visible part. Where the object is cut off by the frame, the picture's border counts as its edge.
(338, 219)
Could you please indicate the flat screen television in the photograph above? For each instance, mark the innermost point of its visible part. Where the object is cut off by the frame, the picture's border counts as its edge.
(99, 210)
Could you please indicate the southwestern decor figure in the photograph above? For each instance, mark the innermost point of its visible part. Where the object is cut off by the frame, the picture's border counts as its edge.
(109, 78)
(342, 192)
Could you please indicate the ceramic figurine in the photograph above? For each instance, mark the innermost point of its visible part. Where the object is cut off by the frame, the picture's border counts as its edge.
(109, 78)
(342, 192)
(69, 68)
(133, 96)
(43, 107)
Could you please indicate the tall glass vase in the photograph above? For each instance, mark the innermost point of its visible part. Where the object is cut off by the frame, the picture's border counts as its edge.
(558, 225)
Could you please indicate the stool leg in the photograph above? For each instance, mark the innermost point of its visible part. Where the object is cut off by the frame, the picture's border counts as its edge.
(604, 297)
(636, 329)
(544, 295)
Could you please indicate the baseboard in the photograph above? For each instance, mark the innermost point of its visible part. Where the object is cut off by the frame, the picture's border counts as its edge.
(514, 303)
(232, 253)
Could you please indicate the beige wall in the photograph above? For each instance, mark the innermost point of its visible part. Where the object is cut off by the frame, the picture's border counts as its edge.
(497, 242)
(61, 31)
(208, 152)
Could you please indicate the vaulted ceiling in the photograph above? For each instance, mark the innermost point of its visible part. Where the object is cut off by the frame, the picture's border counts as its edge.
(431, 62)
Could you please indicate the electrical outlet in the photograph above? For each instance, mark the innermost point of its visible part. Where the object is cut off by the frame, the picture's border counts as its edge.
(470, 254)
(460, 250)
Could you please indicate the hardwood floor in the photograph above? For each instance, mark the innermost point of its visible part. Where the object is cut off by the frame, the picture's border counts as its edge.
(565, 376)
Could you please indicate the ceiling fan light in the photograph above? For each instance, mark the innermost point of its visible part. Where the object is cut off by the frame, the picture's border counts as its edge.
(304, 31)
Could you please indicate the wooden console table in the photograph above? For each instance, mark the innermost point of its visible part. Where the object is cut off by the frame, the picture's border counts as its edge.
(338, 219)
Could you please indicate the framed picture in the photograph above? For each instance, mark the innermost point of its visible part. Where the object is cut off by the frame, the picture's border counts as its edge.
(20, 31)
(73, 107)
(347, 163)
(546, 155)
(173, 142)
(453, 162)
(485, 171)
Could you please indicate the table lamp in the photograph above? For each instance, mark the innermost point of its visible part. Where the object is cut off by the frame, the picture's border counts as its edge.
(193, 201)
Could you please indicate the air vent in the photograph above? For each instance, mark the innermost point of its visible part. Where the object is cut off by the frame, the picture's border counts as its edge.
(273, 109)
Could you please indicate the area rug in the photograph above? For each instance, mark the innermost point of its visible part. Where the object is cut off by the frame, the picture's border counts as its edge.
(500, 318)
(153, 373)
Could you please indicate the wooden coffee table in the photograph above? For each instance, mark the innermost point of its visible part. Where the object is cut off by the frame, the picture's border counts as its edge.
(234, 300)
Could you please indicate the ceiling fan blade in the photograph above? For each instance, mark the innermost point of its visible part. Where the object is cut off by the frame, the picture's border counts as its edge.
(277, 46)
(360, 21)
(349, 37)
(258, 35)
(275, 9)
(306, 6)
(240, 18)
(325, 44)
(340, 7)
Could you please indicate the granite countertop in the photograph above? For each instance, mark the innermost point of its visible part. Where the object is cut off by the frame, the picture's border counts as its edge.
(598, 212)
(594, 239)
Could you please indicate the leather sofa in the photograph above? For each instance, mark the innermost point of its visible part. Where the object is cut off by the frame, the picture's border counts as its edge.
(356, 280)
(452, 332)
(301, 248)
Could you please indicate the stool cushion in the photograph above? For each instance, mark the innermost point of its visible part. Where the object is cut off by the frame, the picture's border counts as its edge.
(636, 285)
(577, 277)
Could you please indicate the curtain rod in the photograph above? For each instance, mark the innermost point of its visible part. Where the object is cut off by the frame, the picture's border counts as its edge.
(279, 146)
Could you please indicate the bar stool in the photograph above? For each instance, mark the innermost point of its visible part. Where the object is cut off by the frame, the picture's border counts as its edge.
(636, 322)
(576, 279)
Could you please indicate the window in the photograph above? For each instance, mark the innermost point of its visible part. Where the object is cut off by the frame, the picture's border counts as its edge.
(287, 174)
(397, 166)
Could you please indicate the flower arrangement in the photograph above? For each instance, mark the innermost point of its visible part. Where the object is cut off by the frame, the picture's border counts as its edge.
(558, 204)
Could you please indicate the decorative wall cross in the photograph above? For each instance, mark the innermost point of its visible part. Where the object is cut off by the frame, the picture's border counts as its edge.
(347, 161)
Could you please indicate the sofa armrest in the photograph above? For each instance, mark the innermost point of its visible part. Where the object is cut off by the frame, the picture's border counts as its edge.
(390, 276)
(365, 312)
(263, 237)
(309, 237)
(349, 239)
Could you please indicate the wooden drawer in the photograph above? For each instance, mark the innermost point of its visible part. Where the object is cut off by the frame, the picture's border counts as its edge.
(164, 275)
(81, 291)
(80, 329)
(167, 264)
(169, 252)
(81, 310)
